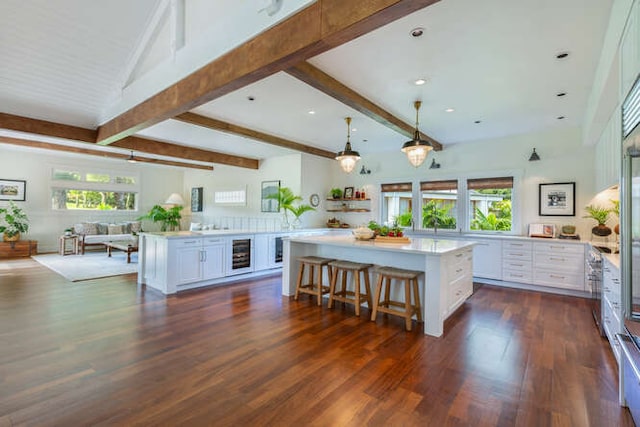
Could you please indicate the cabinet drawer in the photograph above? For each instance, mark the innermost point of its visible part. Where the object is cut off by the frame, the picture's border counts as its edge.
(184, 243)
(559, 280)
(459, 265)
(518, 246)
(564, 263)
(517, 265)
(213, 241)
(562, 248)
(519, 276)
(516, 254)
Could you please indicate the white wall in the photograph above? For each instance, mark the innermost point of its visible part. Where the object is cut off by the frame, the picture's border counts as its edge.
(46, 225)
(304, 174)
(564, 159)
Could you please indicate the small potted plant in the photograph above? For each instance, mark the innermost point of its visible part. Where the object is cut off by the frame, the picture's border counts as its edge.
(336, 193)
(601, 215)
(616, 211)
(68, 231)
(13, 221)
(169, 218)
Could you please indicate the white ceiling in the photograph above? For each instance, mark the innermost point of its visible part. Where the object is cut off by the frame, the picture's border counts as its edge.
(490, 60)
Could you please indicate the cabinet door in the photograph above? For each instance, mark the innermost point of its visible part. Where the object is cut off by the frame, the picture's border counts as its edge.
(262, 251)
(630, 51)
(189, 265)
(487, 259)
(213, 261)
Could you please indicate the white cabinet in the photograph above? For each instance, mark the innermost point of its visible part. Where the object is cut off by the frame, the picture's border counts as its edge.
(261, 245)
(612, 320)
(458, 278)
(559, 265)
(198, 259)
(517, 259)
(608, 153)
(630, 51)
(487, 258)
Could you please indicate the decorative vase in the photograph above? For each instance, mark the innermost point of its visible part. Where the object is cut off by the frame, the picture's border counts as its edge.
(13, 238)
(285, 222)
(601, 230)
(296, 224)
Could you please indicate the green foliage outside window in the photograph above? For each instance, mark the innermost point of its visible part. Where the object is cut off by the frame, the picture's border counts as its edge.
(437, 213)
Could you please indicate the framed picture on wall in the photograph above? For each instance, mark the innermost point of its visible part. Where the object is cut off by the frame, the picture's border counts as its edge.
(557, 199)
(14, 190)
(269, 189)
(196, 199)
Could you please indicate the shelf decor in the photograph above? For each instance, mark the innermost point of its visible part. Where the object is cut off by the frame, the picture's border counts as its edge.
(557, 199)
(14, 190)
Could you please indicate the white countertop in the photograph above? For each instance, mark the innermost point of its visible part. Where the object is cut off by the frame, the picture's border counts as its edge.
(491, 235)
(213, 233)
(417, 245)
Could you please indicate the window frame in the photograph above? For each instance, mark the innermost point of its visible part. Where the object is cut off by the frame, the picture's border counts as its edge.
(84, 185)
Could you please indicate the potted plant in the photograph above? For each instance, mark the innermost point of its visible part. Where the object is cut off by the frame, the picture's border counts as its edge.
(68, 231)
(616, 210)
(601, 215)
(169, 218)
(336, 193)
(287, 202)
(13, 221)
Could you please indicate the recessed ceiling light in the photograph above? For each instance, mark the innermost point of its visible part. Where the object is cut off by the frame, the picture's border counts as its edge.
(449, 110)
(478, 121)
(560, 117)
(311, 112)
(417, 32)
(561, 93)
(354, 130)
(419, 82)
(251, 98)
(562, 55)
(365, 140)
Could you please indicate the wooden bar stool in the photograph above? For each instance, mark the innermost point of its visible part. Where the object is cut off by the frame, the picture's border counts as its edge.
(344, 295)
(410, 278)
(311, 287)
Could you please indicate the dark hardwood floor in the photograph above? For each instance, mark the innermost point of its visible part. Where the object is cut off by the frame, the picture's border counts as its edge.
(105, 352)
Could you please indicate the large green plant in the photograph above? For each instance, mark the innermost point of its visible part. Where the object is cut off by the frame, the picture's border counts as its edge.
(13, 220)
(289, 202)
(600, 214)
(169, 218)
(433, 212)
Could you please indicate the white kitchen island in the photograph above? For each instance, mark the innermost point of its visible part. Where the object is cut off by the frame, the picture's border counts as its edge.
(448, 267)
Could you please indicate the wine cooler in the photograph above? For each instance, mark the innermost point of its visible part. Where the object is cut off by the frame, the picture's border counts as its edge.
(278, 250)
(241, 256)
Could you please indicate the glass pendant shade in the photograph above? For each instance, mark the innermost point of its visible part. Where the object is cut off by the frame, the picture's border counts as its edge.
(347, 157)
(417, 149)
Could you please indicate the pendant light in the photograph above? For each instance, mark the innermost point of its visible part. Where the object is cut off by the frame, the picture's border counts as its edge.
(348, 157)
(417, 149)
(131, 159)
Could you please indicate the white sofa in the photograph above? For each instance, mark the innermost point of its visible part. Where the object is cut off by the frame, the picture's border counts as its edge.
(98, 233)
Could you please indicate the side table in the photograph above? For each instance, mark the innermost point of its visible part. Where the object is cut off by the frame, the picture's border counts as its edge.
(68, 245)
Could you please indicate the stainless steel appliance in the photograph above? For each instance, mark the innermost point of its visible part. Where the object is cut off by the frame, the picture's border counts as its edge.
(594, 280)
(630, 249)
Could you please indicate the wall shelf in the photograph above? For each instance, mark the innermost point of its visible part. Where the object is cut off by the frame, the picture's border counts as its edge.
(348, 205)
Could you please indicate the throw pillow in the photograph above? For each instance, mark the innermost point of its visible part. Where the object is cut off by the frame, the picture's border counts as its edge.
(126, 227)
(78, 228)
(136, 226)
(115, 229)
(103, 228)
(90, 228)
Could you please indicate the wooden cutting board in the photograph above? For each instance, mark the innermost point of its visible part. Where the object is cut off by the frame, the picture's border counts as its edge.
(387, 239)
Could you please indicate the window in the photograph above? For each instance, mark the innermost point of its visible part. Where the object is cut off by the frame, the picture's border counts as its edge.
(397, 203)
(439, 204)
(93, 190)
(490, 203)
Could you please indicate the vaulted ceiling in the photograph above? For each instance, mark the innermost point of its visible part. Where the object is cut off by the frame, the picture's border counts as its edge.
(197, 83)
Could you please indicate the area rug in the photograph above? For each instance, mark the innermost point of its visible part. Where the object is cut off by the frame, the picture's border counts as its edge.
(89, 266)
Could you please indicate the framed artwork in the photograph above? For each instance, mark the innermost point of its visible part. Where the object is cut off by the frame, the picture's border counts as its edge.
(557, 199)
(14, 190)
(269, 188)
(196, 199)
(348, 193)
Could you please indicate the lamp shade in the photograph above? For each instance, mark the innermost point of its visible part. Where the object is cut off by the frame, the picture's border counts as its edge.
(417, 149)
(348, 157)
(175, 199)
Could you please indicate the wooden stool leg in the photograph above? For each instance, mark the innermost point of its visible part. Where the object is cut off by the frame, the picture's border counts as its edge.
(367, 287)
(387, 292)
(343, 290)
(319, 285)
(356, 277)
(299, 284)
(332, 286)
(376, 298)
(416, 295)
(407, 305)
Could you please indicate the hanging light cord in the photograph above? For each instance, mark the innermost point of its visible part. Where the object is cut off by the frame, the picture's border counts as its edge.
(348, 120)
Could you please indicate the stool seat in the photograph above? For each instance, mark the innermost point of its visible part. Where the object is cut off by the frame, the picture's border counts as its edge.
(405, 309)
(342, 267)
(316, 288)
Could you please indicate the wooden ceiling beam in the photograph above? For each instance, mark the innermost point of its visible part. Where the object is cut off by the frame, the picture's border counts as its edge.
(219, 125)
(323, 82)
(144, 145)
(183, 152)
(317, 28)
(98, 153)
(43, 127)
